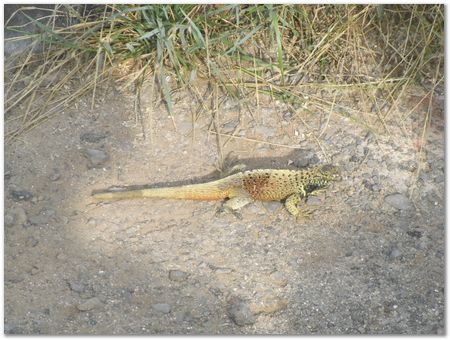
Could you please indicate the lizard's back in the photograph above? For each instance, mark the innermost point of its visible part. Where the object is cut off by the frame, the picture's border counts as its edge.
(271, 185)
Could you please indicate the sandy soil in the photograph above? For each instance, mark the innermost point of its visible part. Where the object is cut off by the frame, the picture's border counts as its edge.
(369, 261)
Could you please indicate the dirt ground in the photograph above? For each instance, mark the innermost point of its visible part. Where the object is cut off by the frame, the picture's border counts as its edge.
(369, 261)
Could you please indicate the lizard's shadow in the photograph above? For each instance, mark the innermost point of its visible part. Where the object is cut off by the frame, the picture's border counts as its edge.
(290, 161)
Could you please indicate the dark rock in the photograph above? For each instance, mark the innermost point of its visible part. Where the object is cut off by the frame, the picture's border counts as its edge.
(96, 157)
(55, 175)
(239, 311)
(76, 286)
(21, 195)
(93, 137)
(414, 233)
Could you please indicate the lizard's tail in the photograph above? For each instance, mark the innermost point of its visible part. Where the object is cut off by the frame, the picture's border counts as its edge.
(207, 191)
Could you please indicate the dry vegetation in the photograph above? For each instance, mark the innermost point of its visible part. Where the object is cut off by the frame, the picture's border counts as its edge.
(351, 60)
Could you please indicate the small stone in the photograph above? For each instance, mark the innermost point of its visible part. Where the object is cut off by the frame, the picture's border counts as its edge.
(43, 217)
(394, 252)
(18, 215)
(92, 222)
(266, 131)
(34, 270)
(229, 127)
(313, 200)
(31, 242)
(414, 233)
(7, 175)
(163, 308)
(239, 311)
(21, 195)
(9, 220)
(76, 286)
(93, 137)
(178, 275)
(61, 256)
(63, 219)
(279, 279)
(89, 304)
(96, 157)
(398, 201)
(272, 206)
(55, 175)
(269, 305)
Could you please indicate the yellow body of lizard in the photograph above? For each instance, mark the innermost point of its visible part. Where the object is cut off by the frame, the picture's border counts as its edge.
(243, 188)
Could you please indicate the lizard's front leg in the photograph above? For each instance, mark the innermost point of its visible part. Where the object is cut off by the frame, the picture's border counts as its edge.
(291, 206)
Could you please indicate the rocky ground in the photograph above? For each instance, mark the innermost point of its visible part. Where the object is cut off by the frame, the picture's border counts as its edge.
(369, 261)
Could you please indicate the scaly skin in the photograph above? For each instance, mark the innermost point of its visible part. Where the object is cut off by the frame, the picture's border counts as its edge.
(244, 187)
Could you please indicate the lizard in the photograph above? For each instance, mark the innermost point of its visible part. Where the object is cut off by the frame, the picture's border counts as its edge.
(244, 187)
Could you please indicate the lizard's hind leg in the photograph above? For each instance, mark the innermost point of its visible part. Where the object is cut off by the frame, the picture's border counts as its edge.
(235, 203)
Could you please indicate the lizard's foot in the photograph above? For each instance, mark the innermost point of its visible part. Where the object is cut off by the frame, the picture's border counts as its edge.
(225, 210)
(234, 169)
(316, 192)
(236, 203)
(304, 214)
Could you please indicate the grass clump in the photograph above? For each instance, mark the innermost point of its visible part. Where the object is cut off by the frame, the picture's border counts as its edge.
(299, 54)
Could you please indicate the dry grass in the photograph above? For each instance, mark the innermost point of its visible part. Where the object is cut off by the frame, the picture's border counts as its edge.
(352, 60)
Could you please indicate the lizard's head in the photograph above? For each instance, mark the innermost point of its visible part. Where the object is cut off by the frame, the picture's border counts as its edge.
(326, 173)
(330, 172)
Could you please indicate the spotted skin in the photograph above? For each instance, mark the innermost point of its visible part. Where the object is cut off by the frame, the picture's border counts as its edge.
(291, 186)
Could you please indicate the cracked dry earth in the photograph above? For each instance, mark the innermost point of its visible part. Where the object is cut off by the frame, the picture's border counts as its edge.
(369, 261)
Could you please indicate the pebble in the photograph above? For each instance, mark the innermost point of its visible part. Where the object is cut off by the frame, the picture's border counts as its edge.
(272, 206)
(9, 220)
(31, 242)
(92, 137)
(34, 270)
(229, 127)
(178, 275)
(21, 195)
(163, 308)
(55, 175)
(398, 201)
(279, 279)
(16, 216)
(92, 222)
(313, 200)
(394, 252)
(239, 311)
(43, 217)
(268, 305)
(414, 233)
(89, 304)
(266, 131)
(7, 175)
(96, 157)
(76, 286)
(61, 256)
